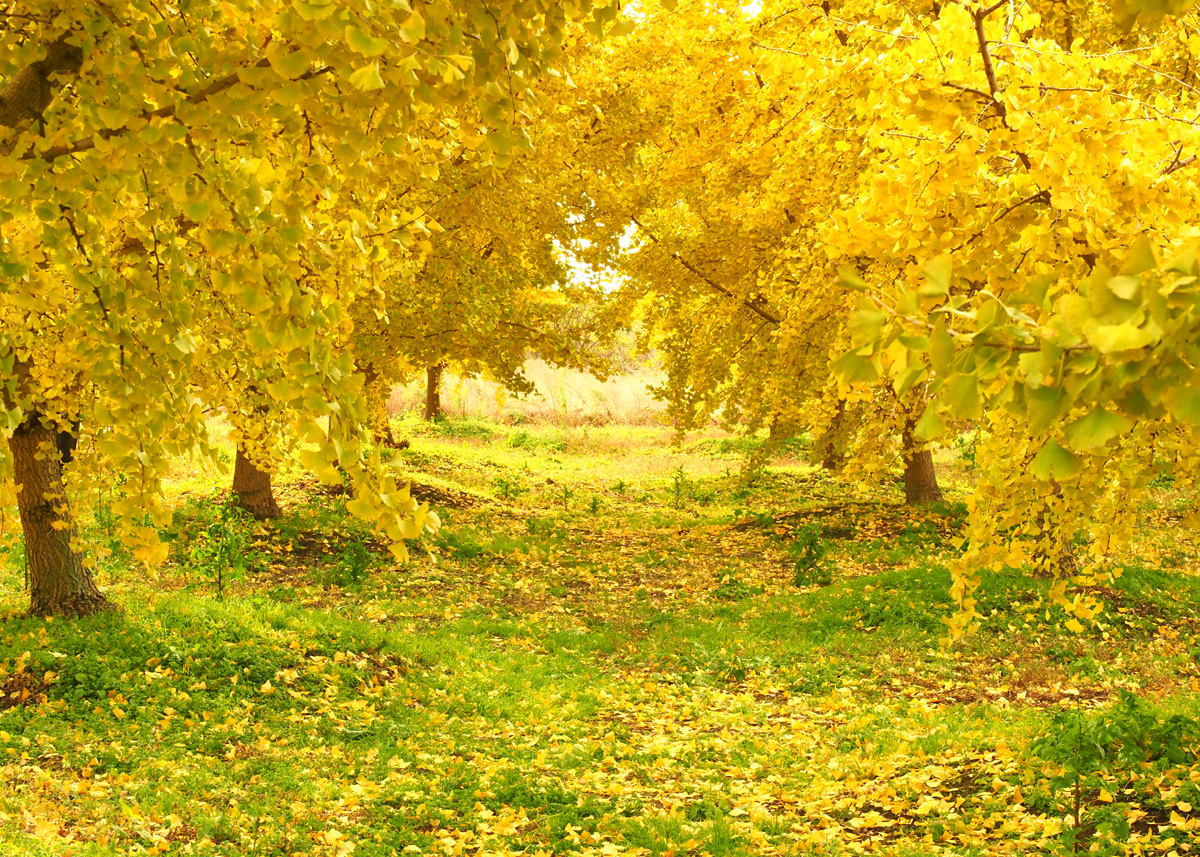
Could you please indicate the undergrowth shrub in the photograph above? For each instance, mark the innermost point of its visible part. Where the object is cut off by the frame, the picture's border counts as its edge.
(1092, 752)
(528, 440)
(352, 567)
(810, 567)
(216, 542)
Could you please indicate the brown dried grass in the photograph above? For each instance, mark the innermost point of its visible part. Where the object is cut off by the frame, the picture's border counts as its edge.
(562, 397)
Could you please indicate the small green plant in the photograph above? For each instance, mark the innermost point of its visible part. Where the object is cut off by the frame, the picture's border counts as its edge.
(1088, 748)
(967, 445)
(352, 567)
(565, 494)
(679, 487)
(810, 568)
(594, 505)
(528, 440)
(620, 486)
(522, 440)
(1164, 479)
(731, 587)
(222, 549)
(721, 665)
(748, 517)
(508, 489)
(105, 520)
(16, 558)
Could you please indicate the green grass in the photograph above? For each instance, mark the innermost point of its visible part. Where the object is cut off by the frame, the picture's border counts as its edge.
(641, 674)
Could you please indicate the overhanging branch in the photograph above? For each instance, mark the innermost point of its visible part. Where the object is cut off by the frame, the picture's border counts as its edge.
(753, 307)
(199, 97)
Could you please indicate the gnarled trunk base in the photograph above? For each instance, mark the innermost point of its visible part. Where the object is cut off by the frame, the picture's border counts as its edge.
(59, 584)
(252, 489)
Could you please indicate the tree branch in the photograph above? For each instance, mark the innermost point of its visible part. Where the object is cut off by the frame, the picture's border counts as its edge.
(30, 92)
(989, 69)
(1178, 164)
(977, 92)
(1042, 196)
(199, 97)
(754, 308)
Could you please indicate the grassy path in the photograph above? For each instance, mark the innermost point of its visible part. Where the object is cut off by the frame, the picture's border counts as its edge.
(611, 655)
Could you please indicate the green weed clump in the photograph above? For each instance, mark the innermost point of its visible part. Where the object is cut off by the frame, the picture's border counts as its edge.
(352, 567)
(509, 488)
(531, 440)
(731, 586)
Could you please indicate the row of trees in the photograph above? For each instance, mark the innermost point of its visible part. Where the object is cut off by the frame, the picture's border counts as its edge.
(885, 222)
(251, 208)
(871, 220)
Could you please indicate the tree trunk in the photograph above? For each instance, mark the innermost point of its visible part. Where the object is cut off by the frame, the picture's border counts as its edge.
(252, 488)
(920, 477)
(833, 458)
(378, 392)
(59, 584)
(433, 392)
(1054, 554)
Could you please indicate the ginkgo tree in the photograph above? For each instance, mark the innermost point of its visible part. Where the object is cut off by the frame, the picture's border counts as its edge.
(1092, 384)
(689, 151)
(484, 286)
(164, 177)
(1085, 150)
(785, 144)
(492, 286)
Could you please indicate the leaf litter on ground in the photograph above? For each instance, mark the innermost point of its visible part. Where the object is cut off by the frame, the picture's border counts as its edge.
(633, 676)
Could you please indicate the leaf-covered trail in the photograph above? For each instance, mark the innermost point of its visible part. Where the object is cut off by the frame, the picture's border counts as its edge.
(634, 675)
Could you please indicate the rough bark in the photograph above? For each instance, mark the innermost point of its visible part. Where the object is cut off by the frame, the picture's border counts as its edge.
(31, 90)
(59, 584)
(433, 392)
(252, 488)
(920, 477)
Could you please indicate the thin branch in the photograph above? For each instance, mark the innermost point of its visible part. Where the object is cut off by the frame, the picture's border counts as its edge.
(977, 92)
(932, 42)
(749, 339)
(753, 307)
(1041, 196)
(68, 216)
(1045, 87)
(841, 34)
(214, 88)
(988, 69)
(761, 46)
(408, 223)
(507, 68)
(1178, 164)
(1163, 75)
